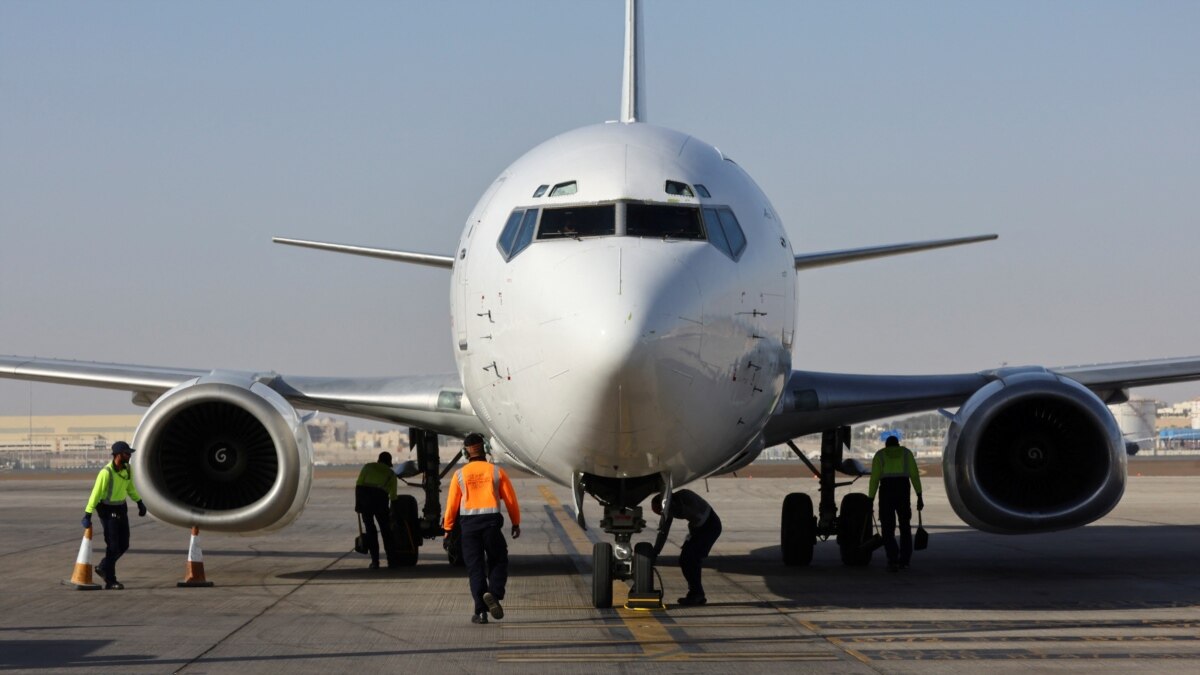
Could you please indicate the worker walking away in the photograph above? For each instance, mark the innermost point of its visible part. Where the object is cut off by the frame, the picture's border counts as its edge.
(704, 527)
(474, 503)
(113, 484)
(894, 474)
(373, 496)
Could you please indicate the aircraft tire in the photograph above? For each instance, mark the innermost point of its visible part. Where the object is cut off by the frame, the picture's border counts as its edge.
(406, 528)
(855, 529)
(643, 567)
(602, 575)
(797, 530)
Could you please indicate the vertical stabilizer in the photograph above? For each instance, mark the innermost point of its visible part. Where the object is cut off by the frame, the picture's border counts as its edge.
(633, 85)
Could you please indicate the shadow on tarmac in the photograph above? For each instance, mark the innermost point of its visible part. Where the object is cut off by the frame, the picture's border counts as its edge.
(1093, 568)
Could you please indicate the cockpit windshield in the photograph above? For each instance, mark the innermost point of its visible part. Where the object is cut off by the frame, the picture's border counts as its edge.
(574, 222)
(669, 222)
(663, 221)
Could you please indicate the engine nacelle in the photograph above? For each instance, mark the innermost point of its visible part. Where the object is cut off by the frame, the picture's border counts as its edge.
(223, 453)
(1033, 452)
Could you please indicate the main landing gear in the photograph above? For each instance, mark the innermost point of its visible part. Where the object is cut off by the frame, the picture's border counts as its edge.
(852, 525)
(412, 529)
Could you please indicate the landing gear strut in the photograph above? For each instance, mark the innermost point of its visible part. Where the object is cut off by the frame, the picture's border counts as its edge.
(409, 527)
(800, 529)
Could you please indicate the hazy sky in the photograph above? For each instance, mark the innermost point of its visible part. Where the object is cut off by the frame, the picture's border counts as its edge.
(149, 151)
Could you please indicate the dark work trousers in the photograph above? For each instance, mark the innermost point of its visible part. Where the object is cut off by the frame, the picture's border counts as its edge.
(116, 538)
(695, 549)
(486, 555)
(371, 534)
(372, 504)
(894, 505)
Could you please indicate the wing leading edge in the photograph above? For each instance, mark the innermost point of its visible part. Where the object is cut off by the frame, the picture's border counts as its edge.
(814, 401)
(433, 402)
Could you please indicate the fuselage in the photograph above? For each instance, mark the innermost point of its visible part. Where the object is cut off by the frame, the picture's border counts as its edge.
(623, 305)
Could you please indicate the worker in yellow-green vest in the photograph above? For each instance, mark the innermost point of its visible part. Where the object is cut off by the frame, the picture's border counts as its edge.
(113, 484)
(373, 496)
(893, 471)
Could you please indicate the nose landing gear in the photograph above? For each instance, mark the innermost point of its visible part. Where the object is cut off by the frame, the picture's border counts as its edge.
(622, 562)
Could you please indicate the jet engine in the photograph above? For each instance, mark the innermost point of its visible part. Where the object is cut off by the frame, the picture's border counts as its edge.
(225, 453)
(1033, 452)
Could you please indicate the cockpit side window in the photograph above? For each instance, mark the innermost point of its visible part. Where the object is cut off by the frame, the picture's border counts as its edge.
(541, 190)
(716, 234)
(663, 221)
(724, 231)
(702, 191)
(517, 233)
(733, 232)
(509, 234)
(574, 222)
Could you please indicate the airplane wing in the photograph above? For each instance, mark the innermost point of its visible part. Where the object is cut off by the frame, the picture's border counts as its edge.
(433, 402)
(814, 401)
(840, 257)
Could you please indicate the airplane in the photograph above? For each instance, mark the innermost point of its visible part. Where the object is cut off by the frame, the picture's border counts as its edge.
(623, 320)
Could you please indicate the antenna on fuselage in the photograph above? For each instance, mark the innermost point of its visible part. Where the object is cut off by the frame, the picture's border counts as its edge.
(633, 84)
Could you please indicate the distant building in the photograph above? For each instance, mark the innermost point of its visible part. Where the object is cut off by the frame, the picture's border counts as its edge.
(62, 441)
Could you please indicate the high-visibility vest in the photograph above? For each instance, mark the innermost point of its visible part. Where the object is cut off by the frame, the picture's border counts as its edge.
(111, 488)
(477, 489)
(894, 462)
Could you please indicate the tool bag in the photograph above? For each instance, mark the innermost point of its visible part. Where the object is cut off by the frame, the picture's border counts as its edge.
(921, 539)
(360, 544)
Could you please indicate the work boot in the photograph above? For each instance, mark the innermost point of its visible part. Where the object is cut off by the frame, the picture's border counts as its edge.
(693, 600)
(100, 573)
(493, 605)
(114, 585)
(374, 565)
(479, 618)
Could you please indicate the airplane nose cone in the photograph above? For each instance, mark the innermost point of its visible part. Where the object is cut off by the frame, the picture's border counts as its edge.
(623, 322)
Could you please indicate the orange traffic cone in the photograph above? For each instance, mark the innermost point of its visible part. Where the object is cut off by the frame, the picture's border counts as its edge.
(194, 574)
(81, 578)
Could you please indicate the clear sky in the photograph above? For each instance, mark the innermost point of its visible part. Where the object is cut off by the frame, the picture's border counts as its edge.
(149, 151)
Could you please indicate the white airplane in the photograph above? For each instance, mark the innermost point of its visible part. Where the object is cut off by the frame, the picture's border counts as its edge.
(623, 307)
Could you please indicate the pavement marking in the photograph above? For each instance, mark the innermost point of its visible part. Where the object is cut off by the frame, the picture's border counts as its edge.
(702, 657)
(655, 641)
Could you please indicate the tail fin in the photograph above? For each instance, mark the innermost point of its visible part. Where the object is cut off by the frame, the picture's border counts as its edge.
(633, 85)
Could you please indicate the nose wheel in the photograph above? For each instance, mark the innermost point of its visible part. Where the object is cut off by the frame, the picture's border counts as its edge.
(602, 574)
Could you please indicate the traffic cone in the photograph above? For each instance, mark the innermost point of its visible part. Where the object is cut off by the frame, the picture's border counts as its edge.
(194, 573)
(81, 578)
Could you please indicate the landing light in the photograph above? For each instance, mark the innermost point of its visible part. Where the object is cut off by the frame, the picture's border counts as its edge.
(622, 551)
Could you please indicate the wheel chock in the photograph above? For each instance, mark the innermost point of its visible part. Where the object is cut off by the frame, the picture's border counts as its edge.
(645, 601)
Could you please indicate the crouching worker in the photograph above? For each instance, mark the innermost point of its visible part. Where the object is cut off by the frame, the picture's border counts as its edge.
(704, 527)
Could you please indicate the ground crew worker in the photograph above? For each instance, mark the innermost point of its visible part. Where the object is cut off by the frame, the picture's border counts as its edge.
(373, 496)
(113, 484)
(892, 471)
(474, 503)
(703, 529)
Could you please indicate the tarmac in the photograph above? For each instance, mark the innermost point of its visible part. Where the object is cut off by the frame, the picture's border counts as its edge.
(1120, 594)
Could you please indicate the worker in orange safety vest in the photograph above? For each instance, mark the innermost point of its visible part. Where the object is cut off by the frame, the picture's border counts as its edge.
(474, 505)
